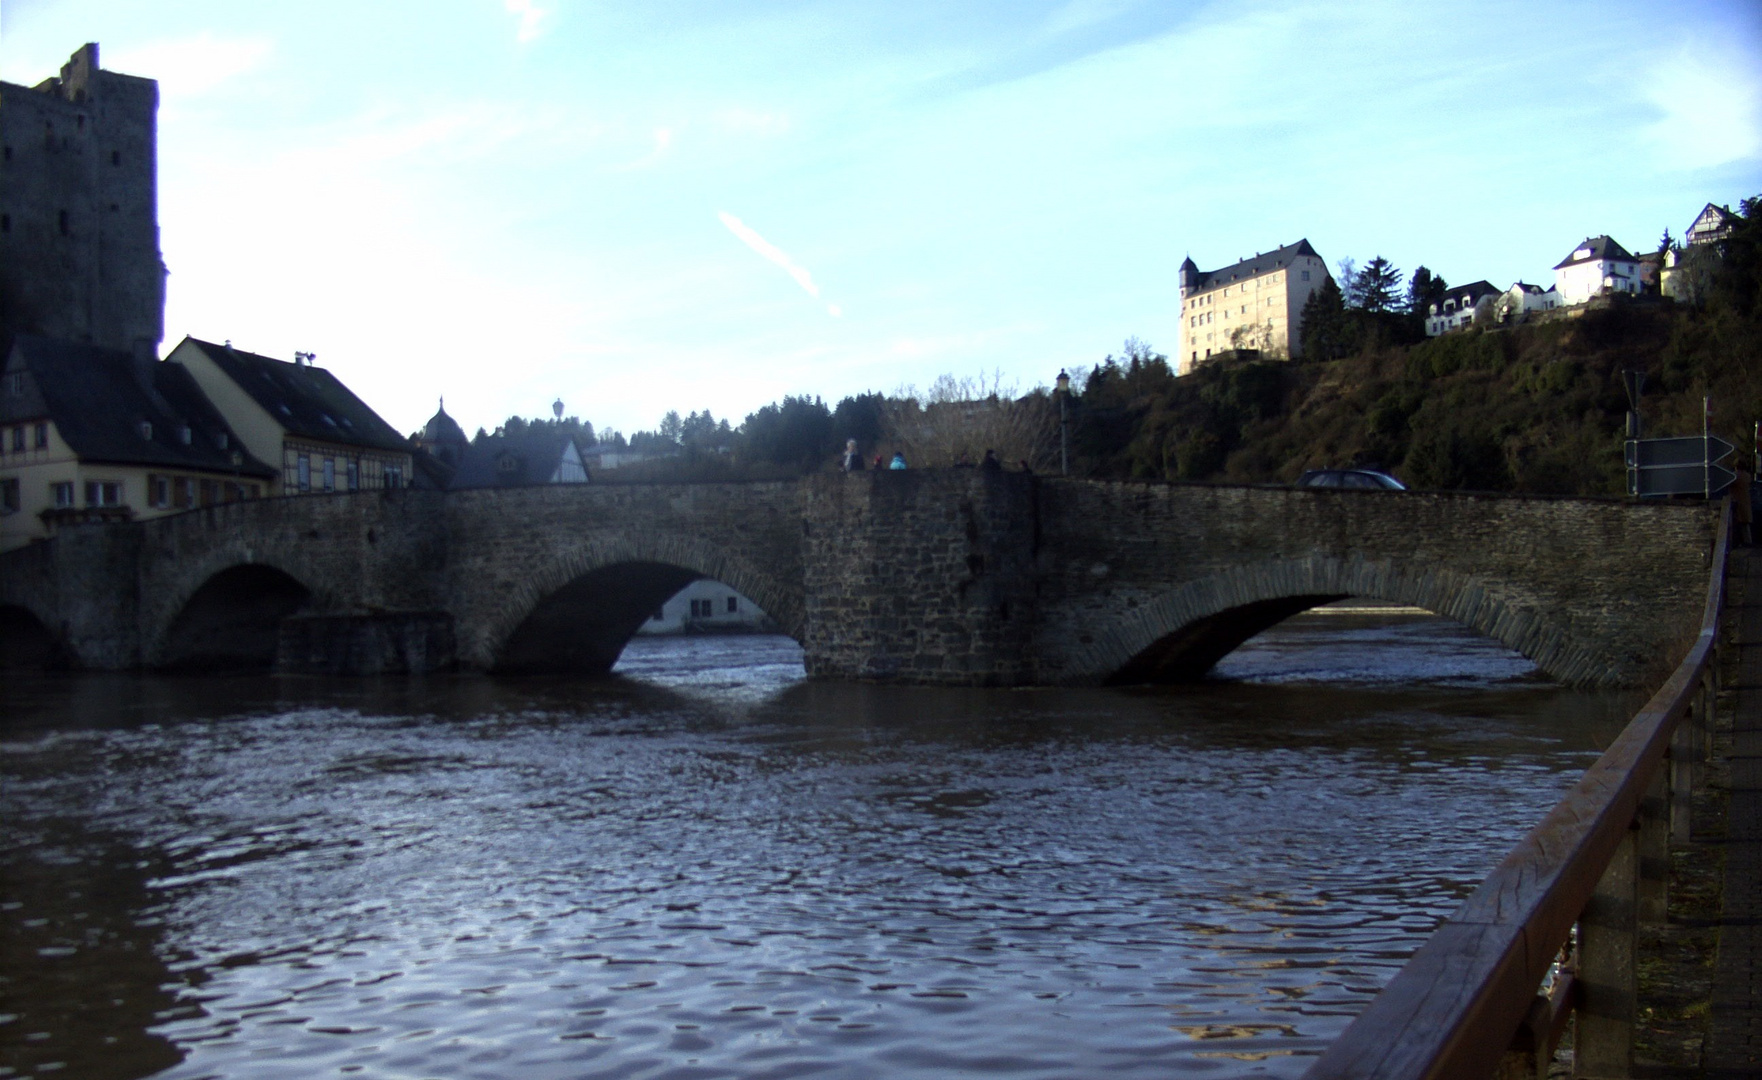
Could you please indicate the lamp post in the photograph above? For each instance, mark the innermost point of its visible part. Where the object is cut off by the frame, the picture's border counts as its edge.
(1063, 383)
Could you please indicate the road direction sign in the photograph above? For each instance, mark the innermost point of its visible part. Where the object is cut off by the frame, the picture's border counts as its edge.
(1687, 450)
(1692, 479)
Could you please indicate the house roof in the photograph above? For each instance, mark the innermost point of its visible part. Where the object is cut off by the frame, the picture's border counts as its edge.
(1595, 249)
(1526, 287)
(442, 428)
(99, 400)
(1249, 268)
(1472, 289)
(1711, 221)
(307, 401)
(531, 457)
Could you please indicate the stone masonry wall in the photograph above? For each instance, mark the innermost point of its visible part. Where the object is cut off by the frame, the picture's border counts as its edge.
(921, 576)
(954, 576)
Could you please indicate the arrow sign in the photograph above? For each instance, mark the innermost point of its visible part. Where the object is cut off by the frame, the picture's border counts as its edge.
(1680, 479)
(1687, 450)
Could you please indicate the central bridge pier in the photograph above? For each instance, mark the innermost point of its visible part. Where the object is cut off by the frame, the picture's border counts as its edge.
(947, 576)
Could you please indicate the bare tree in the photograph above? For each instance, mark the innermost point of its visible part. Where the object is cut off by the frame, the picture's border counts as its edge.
(961, 418)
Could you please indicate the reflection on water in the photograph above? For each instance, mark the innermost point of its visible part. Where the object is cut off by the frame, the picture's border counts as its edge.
(709, 867)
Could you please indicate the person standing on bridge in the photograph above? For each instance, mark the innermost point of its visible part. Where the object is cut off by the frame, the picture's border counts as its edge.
(1743, 514)
(853, 458)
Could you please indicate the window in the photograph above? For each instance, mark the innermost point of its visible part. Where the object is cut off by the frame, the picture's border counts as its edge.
(354, 475)
(210, 493)
(304, 471)
(103, 493)
(15, 384)
(17, 439)
(184, 492)
(42, 434)
(62, 493)
(62, 222)
(9, 503)
(147, 430)
(5, 222)
(733, 604)
(116, 157)
(1305, 275)
(184, 435)
(394, 476)
(330, 474)
(159, 491)
(703, 609)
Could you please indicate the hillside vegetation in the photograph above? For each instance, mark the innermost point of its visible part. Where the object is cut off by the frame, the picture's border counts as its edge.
(1532, 408)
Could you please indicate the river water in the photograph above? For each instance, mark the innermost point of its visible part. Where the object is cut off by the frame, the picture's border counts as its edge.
(710, 867)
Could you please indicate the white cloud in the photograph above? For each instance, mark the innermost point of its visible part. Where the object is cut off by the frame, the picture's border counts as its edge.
(531, 19)
(1711, 97)
(775, 254)
(190, 67)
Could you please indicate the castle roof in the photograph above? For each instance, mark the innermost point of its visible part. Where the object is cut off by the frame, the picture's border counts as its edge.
(110, 407)
(305, 400)
(1260, 264)
(1595, 249)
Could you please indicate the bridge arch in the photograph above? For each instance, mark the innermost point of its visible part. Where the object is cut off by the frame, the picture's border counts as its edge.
(1183, 632)
(27, 642)
(578, 608)
(229, 617)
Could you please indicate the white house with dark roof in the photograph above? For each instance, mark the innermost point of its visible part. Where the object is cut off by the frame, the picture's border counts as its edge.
(300, 418)
(89, 433)
(1524, 299)
(1460, 307)
(1594, 268)
(1252, 304)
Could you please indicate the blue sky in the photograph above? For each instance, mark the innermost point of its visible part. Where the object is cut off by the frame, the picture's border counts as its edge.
(644, 206)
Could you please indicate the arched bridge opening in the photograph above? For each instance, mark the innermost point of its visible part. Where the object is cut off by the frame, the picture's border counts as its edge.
(26, 644)
(1189, 652)
(233, 621)
(584, 626)
(1180, 635)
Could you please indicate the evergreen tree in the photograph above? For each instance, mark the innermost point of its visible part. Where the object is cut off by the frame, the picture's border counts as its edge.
(1377, 287)
(1423, 290)
(1328, 331)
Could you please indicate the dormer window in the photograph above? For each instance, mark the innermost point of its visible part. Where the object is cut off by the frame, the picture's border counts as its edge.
(220, 440)
(184, 434)
(146, 429)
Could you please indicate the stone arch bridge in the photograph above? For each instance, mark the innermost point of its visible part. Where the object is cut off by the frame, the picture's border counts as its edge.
(955, 576)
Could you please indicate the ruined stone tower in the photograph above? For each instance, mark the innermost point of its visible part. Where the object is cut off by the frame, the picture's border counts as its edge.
(79, 208)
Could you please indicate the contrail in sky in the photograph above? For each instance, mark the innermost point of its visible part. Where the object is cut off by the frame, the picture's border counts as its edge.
(775, 254)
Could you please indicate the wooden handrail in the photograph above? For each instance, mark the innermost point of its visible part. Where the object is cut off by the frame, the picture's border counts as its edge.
(1454, 1008)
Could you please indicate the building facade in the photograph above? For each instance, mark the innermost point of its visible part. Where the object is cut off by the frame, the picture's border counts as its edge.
(79, 216)
(1596, 267)
(708, 607)
(300, 419)
(1255, 304)
(88, 433)
(1460, 307)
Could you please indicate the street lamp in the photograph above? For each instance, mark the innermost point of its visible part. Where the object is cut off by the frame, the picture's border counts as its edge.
(1063, 383)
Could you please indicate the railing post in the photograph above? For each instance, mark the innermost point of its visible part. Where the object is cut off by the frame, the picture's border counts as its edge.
(1603, 1031)
(1654, 828)
(1685, 744)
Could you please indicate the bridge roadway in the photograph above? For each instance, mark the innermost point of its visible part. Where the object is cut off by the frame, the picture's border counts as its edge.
(955, 576)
